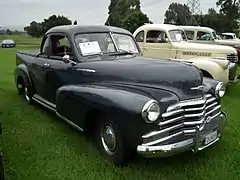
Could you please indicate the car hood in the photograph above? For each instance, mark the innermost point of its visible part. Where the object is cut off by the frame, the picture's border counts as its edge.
(198, 47)
(228, 42)
(174, 76)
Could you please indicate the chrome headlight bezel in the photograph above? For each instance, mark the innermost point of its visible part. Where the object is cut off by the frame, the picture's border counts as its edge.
(220, 90)
(146, 110)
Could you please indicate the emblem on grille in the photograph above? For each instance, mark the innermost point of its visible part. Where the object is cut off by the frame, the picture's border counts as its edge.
(197, 88)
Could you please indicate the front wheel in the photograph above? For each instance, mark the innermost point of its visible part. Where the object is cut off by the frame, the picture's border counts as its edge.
(110, 141)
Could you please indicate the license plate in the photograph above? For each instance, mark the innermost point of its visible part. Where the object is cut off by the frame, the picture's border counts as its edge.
(211, 137)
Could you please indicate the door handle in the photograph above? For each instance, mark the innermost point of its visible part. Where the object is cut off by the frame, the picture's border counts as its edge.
(46, 65)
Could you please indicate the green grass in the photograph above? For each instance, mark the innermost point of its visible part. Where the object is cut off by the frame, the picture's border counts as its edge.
(37, 145)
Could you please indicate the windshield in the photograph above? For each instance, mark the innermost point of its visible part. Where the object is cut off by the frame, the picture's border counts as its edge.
(7, 41)
(102, 43)
(177, 35)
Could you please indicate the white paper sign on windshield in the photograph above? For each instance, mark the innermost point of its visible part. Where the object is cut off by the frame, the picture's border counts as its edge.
(178, 37)
(90, 48)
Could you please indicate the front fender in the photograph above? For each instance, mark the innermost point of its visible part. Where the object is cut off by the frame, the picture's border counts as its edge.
(75, 102)
(214, 68)
(209, 85)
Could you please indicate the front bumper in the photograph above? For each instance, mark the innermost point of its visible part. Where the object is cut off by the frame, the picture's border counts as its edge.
(232, 67)
(195, 144)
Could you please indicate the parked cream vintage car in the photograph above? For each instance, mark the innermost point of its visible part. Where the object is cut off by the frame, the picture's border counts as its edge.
(208, 35)
(170, 42)
(229, 36)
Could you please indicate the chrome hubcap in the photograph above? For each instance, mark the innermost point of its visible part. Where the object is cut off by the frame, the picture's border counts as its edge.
(26, 93)
(108, 139)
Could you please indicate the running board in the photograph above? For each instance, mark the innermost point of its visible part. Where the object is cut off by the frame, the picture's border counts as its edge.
(44, 102)
(52, 107)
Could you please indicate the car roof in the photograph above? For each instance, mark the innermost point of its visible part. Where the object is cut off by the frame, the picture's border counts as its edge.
(165, 27)
(76, 29)
(232, 34)
(197, 28)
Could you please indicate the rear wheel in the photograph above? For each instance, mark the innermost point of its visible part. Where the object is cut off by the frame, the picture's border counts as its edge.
(25, 90)
(110, 141)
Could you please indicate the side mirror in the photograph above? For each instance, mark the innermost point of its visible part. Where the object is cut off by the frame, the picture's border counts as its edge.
(166, 40)
(66, 59)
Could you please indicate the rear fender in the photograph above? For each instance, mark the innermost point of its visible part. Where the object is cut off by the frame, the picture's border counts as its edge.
(21, 71)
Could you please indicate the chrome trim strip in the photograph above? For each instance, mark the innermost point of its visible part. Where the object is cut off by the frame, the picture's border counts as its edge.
(209, 106)
(171, 120)
(163, 139)
(69, 122)
(195, 109)
(186, 103)
(167, 114)
(210, 100)
(154, 133)
(52, 107)
(44, 103)
(216, 108)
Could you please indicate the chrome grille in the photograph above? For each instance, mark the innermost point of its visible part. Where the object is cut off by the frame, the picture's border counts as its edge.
(180, 120)
(232, 58)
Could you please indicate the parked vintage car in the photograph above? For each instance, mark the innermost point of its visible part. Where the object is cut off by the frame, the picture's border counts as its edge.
(95, 78)
(206, 35)
(229, 36)
(170, 42)
(8, 43)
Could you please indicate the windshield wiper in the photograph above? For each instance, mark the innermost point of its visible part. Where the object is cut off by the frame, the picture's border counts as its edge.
(122, 52)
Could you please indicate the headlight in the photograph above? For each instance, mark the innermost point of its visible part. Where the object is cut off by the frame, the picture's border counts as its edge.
(151, 111)
(220, 90)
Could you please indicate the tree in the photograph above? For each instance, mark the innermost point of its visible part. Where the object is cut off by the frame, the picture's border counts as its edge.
(212, 19)
(134, 19)
(230, 11)
(36, 29)
(9, 32)
(118, 9)
(177, 14)
(54, 21)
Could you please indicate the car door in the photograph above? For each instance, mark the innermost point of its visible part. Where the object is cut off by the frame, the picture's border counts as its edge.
(37, 68)
(157, 45)
(58, 73)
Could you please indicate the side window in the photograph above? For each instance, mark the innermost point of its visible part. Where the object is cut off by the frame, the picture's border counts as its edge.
(190, 35)
(56, 46)
(60, 46)
(156, 37)
(140, 36)
(203, 36)
(46, 46)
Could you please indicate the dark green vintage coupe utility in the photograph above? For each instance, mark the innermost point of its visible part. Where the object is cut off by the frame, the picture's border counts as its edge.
(95, 78)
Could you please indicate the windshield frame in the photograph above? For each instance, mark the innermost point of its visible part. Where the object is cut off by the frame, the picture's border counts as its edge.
(110, 33)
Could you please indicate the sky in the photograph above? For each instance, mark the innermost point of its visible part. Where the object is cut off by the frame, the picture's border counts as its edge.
(19, 13)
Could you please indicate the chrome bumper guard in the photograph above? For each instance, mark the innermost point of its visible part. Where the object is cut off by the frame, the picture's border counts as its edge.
(193, 144)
